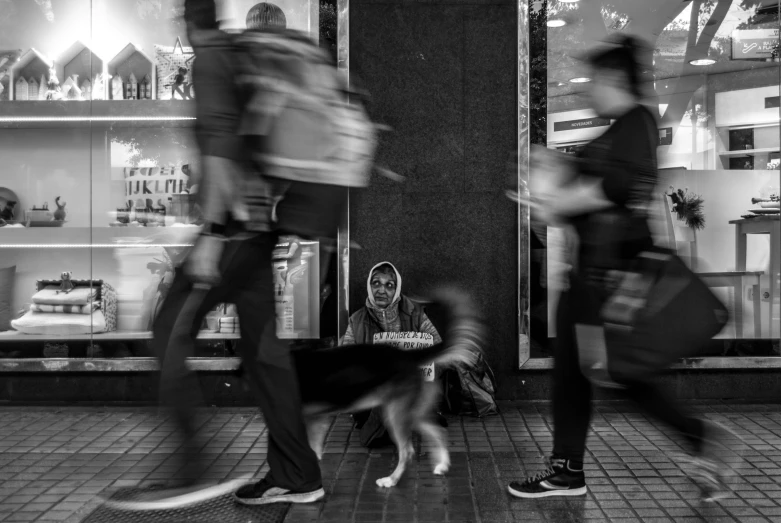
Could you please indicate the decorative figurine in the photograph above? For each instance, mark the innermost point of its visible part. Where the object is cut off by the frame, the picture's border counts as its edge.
(59, 214)
(22, 90)
(54, 91)
(131, 87)
(32, 89)
(7, 213)
(117, 88)
(86, 89)
(66, 285)
(179, 85)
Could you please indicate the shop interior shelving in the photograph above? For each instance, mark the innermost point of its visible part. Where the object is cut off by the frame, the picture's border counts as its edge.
(96, 237)
(110, 113)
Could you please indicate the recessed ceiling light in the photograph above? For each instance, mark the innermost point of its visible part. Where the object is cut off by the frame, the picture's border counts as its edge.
(580, 80)
(556, 22)
(702, 61)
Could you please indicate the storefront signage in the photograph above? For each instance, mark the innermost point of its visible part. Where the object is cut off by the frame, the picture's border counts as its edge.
(570, 125)
(751, 44)
(666, 136)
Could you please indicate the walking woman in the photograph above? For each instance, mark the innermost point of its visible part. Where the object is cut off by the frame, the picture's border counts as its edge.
(604, 195)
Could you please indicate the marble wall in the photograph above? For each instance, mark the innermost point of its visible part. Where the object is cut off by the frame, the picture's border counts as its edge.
(442, 75)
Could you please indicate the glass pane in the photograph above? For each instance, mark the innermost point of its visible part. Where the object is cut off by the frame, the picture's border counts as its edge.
(116, 146)
(46, 171)
(715, 91)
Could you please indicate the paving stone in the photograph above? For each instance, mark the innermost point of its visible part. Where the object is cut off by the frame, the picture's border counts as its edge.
(57, 461)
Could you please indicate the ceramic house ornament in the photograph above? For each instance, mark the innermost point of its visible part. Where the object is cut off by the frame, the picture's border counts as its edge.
(67, 85)
(131, 87)
(145, 89)
(33, 89)
(75, 93)
(22, 89)
(117, 89)
(42, 88)
(99, 87)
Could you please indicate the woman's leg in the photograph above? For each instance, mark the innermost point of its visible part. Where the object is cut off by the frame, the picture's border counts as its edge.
(571, 390)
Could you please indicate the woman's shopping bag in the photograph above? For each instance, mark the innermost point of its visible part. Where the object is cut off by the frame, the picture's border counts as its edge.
(659, 312)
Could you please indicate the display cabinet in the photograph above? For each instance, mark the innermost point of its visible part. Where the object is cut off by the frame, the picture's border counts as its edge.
(98, 177)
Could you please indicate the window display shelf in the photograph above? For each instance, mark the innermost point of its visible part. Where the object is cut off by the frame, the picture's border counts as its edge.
(103, 336)
(111, 113)
(34, 365)
(97, 237)
(748, 152)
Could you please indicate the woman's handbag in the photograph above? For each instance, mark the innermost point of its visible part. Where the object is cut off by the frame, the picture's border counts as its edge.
(660, 312)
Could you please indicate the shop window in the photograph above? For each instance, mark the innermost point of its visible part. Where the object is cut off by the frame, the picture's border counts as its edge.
(100, 173)
(715, 91)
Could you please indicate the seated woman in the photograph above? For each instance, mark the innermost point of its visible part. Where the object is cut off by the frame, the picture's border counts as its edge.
(386, 310)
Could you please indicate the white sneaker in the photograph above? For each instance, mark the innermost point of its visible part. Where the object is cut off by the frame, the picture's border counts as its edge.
(176, 498)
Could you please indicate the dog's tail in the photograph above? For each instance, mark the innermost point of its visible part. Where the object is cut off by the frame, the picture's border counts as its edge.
(464, 335)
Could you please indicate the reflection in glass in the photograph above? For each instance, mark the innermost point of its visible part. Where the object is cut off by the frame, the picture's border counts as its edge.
(715, 89)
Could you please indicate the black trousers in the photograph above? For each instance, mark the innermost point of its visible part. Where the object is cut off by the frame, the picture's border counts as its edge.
(247, 282)
(572, 391)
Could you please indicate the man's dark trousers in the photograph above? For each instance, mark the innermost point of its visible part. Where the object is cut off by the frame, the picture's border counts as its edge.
(247, 281)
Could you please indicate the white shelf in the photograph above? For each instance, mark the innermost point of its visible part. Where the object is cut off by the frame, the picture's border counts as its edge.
(736, 126)
(749, 152)
(96, 237)
(97, 113)
(104, 336)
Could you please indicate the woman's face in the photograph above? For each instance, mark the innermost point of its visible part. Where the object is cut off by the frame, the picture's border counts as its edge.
(608, 92)
(383, 288)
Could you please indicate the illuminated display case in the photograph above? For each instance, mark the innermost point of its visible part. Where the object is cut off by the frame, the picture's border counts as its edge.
(98, 172)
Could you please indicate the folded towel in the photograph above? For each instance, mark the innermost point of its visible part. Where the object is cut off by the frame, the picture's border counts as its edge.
(60, 324)
(52, 295)
(67, 309)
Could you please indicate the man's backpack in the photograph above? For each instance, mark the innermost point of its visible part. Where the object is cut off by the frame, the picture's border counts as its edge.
(303, 128)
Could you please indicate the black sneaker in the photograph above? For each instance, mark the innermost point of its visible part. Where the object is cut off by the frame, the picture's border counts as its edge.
(559, 480)
(263, 492)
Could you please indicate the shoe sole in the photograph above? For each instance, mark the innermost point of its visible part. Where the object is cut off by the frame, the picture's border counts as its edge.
(548, 493)
(185, 500)
(307, 497)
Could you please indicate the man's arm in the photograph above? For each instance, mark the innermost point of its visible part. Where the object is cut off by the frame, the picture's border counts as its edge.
(218, 112)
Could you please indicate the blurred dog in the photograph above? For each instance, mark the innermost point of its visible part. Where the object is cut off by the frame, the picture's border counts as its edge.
(359, 377)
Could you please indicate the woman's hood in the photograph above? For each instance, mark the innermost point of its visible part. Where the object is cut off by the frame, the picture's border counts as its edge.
(396, 296)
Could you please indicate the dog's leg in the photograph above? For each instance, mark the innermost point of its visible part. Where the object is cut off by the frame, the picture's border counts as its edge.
(317, 429)
(398, 424)
(438, 438)
(424, 410)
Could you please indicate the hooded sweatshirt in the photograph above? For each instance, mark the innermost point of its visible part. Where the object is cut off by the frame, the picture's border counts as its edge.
(388, 319)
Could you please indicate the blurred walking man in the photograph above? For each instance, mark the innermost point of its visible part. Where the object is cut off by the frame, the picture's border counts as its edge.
(231, 262)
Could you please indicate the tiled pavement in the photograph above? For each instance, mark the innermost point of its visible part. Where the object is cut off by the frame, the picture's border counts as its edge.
(54, 462)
